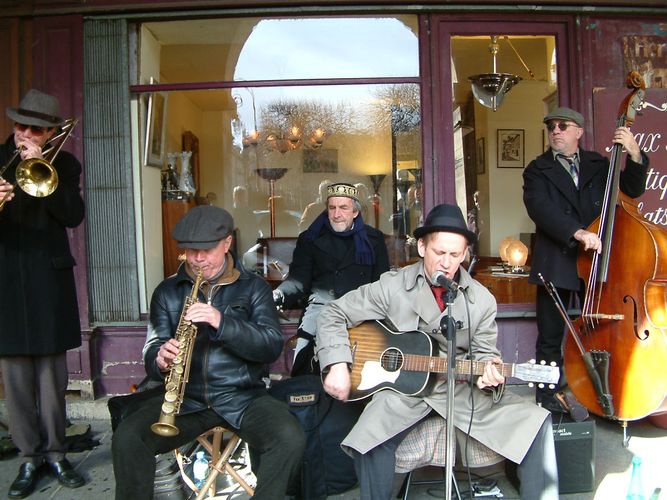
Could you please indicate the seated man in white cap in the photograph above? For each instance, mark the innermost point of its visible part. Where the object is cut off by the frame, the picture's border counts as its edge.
(238, 336)
(37, 263)
(411, 298)
(337, 253)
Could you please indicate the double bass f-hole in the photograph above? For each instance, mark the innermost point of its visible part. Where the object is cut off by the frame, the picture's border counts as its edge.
(635, 321)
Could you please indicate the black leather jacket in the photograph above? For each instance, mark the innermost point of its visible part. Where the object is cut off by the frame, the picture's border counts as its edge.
(228, 363)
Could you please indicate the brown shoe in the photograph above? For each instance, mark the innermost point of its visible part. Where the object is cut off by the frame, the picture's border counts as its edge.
(577, 411)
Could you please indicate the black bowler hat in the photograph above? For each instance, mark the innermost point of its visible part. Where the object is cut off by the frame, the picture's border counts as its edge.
(37, 108)
(447, 219)
(203, 227)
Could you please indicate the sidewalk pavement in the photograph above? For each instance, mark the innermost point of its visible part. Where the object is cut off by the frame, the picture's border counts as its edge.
(612, 463)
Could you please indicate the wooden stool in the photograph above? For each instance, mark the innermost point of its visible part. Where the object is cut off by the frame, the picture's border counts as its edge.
(211, 441)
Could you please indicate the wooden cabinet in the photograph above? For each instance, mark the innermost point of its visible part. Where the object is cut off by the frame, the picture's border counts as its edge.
(507, 290)
(172, 211)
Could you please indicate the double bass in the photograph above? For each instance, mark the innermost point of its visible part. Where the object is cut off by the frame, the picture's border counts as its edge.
(615, 358)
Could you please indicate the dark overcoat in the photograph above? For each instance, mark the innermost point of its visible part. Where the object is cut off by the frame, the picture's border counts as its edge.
(324, 269)
(559, 209)
(38, 300)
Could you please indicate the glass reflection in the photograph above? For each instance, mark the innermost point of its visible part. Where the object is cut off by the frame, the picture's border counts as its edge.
(208, 50)
(369, 131)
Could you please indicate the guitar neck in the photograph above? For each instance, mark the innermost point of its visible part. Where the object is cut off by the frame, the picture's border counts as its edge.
(432, 364)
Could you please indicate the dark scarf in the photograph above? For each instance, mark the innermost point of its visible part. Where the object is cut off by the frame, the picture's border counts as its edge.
(363, 251)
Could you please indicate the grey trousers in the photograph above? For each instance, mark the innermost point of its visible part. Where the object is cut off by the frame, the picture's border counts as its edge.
(35, 389)
(537, 472)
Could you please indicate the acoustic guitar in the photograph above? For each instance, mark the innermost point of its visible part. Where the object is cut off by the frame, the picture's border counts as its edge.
(406, 362)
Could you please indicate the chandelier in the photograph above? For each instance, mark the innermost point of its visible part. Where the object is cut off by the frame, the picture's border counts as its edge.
(284, 141)
(282, 128)
(490, 88)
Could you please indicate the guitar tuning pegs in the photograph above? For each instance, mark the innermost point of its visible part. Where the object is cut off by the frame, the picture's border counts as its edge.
(553, 363)
(543, 362)
(530, 384)
(532, 361)
(540, 385)
(552, 386)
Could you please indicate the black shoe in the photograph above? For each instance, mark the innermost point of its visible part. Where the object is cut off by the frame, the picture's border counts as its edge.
(66, 474)
(25, 482)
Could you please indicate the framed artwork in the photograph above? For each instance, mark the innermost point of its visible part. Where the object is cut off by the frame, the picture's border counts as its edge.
(156, 129)
(320, 160)
(510, 148)
(480, 156)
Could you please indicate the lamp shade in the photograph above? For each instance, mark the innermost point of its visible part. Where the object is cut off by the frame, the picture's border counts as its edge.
(517, 254)
(490, 88)
(502, 248)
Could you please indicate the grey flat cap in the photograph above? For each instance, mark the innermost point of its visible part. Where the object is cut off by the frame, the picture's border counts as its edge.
(564, 113)
(203, 227)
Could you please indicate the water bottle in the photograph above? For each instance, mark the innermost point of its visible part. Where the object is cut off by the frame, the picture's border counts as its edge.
(636, 489)
(200, 469)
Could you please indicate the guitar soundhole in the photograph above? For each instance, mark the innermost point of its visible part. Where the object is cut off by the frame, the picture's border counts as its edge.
(392, 359)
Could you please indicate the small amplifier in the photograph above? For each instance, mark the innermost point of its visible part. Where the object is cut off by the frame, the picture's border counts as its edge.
(575, 454)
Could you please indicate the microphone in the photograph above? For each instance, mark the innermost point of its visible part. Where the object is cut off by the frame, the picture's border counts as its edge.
(441, 279)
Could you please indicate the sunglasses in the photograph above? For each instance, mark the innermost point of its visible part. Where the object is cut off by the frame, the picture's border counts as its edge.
(561, 126)
(33, 128)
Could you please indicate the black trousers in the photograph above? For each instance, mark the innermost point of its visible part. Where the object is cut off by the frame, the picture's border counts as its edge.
(267, 426)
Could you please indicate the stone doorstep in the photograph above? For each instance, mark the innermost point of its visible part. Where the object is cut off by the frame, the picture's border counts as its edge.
(78, 409)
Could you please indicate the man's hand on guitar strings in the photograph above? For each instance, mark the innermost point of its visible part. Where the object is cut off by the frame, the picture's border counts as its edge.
(491, 376)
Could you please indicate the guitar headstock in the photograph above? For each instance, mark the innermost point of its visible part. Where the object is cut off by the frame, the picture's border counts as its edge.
(537, 373)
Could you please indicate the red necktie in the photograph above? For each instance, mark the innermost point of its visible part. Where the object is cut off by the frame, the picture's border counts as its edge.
(439, 294)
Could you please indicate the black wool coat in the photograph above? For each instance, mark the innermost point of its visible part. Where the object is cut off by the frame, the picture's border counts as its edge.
(324, 269)
(38, 300)
(558, 209)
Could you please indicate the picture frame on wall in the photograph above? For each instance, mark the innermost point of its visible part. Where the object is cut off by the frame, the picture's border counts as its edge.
(480, 156)
(510, 148)
(156, 129)
(320, 160)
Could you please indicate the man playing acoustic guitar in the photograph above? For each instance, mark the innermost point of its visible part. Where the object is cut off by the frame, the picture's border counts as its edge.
(406, 300)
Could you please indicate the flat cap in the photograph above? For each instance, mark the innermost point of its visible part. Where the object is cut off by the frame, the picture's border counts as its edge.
(342, 189)
(203, 227)
(564, 113)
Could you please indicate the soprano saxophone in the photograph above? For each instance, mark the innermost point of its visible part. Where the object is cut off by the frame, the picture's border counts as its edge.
(177, 378)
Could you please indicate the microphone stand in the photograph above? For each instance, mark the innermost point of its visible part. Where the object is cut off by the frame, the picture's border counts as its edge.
(448, 329)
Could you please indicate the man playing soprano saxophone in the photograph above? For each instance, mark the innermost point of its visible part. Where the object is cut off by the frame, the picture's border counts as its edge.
(238, 335)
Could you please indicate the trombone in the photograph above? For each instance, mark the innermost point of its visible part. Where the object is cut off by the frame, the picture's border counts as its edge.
(37, 176)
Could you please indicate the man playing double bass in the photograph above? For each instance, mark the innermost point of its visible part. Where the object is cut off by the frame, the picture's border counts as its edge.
(563, 192)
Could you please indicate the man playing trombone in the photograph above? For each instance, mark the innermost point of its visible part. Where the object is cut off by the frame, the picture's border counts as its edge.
(40, 317)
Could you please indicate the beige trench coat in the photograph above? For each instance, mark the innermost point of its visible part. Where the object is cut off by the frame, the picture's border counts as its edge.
(404, 300)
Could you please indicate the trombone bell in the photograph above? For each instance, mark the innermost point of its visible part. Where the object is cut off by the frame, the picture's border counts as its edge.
(37, 177)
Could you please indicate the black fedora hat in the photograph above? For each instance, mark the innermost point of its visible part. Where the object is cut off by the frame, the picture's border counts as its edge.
(37, 108)
(447, 219)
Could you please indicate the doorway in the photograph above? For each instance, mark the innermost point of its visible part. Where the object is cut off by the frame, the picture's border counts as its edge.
(489, 147)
